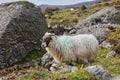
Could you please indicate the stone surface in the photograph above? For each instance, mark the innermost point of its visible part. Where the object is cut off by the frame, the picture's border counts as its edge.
(111, 54)
(47, 61)
(57, 68)
(116, 78)
(106, 44)
(21, 27)
(99, 72)
(58, 30)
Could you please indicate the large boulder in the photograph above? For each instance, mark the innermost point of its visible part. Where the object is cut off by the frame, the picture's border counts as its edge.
(100, 24)
(21, 27)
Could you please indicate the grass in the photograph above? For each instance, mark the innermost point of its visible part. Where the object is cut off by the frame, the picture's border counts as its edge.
(35, 75)
(45, 75)
(115, 34)
(110, 64)
(114, 38)
(90, 9)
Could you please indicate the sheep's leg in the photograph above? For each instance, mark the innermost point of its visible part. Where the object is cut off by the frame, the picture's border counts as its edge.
(82, 66)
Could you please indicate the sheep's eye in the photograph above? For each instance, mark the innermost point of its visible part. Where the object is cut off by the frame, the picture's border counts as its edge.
(47, 39)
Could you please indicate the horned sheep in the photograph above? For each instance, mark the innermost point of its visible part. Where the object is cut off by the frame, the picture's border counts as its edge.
(80, 48)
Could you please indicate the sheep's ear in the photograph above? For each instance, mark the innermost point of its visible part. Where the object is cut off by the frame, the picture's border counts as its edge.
(53, 34)
(48, 33)
(53, 37)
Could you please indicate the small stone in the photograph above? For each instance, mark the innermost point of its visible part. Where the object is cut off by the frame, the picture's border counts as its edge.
(111, 54)
(116, 78)
(56, 68)
(73, 31)
(47, 60)
(74, 68)
(106, 44)
(99, 72)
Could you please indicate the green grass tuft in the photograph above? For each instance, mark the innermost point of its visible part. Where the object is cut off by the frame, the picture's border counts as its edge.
(32, 55)
(114, 39)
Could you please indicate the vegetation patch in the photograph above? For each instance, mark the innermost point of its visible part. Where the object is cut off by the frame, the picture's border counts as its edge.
(43, 75)
(114, 38)
(35, 75)
(110, 64)
(79, 13)
(32, 55)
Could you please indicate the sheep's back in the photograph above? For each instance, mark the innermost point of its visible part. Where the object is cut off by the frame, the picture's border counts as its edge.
(72, 48)
(87, 41)
(79, 44)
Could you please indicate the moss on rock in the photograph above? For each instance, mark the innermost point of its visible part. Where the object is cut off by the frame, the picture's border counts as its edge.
(35, 54)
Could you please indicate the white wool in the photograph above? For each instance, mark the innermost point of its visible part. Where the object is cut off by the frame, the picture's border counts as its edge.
(74, 49)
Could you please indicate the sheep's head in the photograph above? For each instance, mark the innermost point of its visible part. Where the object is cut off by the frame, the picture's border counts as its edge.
(47, 39)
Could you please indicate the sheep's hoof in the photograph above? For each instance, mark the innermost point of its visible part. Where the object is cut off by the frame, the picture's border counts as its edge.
(54, 68)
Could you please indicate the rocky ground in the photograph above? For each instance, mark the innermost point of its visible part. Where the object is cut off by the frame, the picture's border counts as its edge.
(104, 24)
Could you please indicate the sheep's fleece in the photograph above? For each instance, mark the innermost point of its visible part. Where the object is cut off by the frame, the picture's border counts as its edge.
(65, 49)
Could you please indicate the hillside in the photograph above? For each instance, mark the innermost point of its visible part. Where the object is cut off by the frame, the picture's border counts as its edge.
(80, 19)
(43, 6)
(67, 17)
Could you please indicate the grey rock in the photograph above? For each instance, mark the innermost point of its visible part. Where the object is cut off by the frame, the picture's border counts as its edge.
(111, 54)
(106, 44)
(100, 24)
(57, 29)
(104, 16)
(116, 78)
(21, 27)
(73, 31)
(99, 72)
(73, 69)
(59, 68)
(47, 61)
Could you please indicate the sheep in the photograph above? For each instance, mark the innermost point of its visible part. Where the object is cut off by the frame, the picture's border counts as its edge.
(75, 49)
